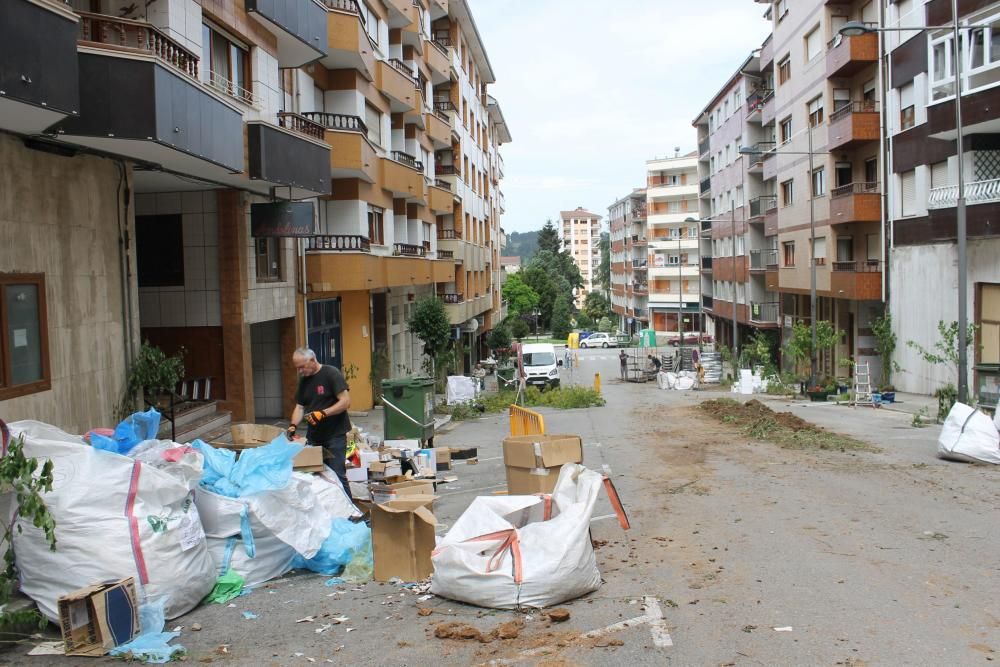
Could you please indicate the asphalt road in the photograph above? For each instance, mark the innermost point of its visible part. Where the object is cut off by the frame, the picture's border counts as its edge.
(886, 558)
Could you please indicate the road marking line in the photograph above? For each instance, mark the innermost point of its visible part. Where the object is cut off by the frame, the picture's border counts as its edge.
(485, 488)
(602, 518)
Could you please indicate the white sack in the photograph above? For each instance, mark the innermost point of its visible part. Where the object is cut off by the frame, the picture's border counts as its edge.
(93, 494)
(557, 558)
(969, 435)
(684, 383)
(330, 494)
(272, 557)
(996, 416)
(461, 389)
(663, 380)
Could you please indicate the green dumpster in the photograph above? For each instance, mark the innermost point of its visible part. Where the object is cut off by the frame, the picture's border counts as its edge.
(408, 409)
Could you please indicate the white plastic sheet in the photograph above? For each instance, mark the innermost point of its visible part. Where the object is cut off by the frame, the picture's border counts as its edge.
(115, 517)
(969, 435)
(500, 539)
(461, 389)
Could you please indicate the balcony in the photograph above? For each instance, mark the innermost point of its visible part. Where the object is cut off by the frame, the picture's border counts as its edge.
(706, 263)
(403, 178)
(706, 302)
(438, 130)
(347, 265)
(853, 124)
(848, 55)
(705, 186)
(767, 112)
(762, 260)
(449, 233)
(285, 158)
(755, 103)
(143, 99)
(298, 25)
(640, 287)
(855, 202)
(337, 243)
(759, 206)
(37, 92)
(396, 80)
(764, 313)
(352, 155)
(762, 151)
(857, 281)
(706, 229)
(637, 242)
(704, 146)
(438, 62)
(446, 254)
(440, 199)
(451, 297)
(349, 46)
(977, 192)
(637, 214)
(408, 250)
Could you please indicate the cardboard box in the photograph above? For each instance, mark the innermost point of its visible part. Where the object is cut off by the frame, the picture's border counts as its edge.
(383, 493)
(99, 617)
(380, 470)
(246, 436)
(403, 538)
(443, 455)
(357, 475)
(533, 461)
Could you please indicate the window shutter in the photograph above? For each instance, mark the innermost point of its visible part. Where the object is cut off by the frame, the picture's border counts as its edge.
(906, 96)
(939, 174)
(812, 44)
(909, 188)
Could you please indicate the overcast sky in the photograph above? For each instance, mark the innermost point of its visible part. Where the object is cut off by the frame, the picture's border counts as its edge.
(591, 89)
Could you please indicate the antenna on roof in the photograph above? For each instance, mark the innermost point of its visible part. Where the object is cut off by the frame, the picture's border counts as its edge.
(677, 151)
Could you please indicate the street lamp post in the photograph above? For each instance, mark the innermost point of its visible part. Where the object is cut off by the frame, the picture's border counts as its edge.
(855, 28)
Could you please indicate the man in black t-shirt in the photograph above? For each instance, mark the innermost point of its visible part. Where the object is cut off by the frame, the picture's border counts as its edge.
(323, 399)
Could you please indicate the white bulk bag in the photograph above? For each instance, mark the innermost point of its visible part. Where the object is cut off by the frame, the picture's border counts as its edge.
(969, 435)
(271, 559)
(461, 389)
(499, 540)
(115, 517)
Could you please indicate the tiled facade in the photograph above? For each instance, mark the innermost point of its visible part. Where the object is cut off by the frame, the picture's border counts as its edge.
(580, 233)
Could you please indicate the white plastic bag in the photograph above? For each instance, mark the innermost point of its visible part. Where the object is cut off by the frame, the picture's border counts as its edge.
(969, 435)
(502, 553)
(461, 389)
(115, 517)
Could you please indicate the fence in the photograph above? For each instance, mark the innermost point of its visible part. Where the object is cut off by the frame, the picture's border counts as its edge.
(526, 422)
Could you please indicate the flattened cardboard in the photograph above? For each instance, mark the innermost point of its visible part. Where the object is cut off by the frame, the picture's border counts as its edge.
(403, 538)
(260, 434)
(384, 470)
(99, 617)
(542, 451)
(383, 493)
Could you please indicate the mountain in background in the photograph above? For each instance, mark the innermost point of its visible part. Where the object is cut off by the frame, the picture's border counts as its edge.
(521, 244)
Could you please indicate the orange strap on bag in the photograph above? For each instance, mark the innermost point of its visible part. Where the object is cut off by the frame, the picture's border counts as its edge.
(511, 542)
(616, 503)
(547, 510)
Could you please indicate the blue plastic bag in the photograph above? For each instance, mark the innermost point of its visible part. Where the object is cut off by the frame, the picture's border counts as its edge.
(347, 542)
(265, 468)
(130, 432)
(152, 644)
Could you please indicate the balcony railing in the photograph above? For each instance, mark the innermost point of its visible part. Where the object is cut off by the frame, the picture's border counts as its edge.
(407, 250)
(300, 124)
(706, 262)
(402, 68)
(444, 106)
(446, 254)
(408, 160)
(705, 185)
(862, 266)
(450, 297)
(139, 35)
(446, 170)
(706, 301)
(336, 121)
(854, 107)
(442, 39)
(345, 6)
(756, 99)
(449, 233)
(761, 205)
(703, 146)
(977, 192)
(440, 183)
(638, 214)
(338, 242)
(763, 258)
(855, 189)
(639, 263)
(764, 312)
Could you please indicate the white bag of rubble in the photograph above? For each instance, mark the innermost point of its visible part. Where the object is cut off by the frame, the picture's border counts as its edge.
(461, 389)
(115, 517)
(502, 553)
(969, 435)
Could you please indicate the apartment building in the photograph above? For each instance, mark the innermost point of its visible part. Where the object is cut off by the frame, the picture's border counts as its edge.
(921, 206)
(271, 181)
(580, 232)
(736, 203)
(671, 245)
(629, 263)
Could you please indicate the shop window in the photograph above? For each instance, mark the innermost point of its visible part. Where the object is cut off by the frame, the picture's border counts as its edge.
(268, 259)
(24, 347)
(159, 243)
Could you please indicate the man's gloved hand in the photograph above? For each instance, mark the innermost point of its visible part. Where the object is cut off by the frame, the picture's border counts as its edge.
(315, 417)
(290, 432)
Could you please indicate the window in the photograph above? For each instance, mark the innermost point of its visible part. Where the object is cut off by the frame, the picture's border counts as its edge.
(376, 225)
(674, 207)
(988, 300)
(787, 193)
(845, 249)
(781, 9)
(841, 98)
(814, 44)
(819, 182)
(788, 251)
(786, 130)
(819, 250)
(815, 109)
(268, 259)
(228, 64)
(784, 70)
(673, 179)
(907, 118)
(24, 346)
(908, 186)
(939, 174)
(693, 231)
(159, 247)
(869, 95)
(373, 119)
(942, 68)
(370, 20)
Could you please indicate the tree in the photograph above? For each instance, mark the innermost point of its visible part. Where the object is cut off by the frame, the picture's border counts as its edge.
(548, 238)
(429, 322)
(606, 325)
(520, 297)
(604, 269)
(885, 346)
(561, 313)
(498, 338)
(519, 329)
(945, 351)
(597, 306)
(800, 348)
(545, 284)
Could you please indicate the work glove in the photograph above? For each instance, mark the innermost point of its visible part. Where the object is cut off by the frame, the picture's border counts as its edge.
(290, 432)
(315, 417)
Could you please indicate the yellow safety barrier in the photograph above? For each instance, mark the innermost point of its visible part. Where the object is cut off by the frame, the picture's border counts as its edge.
(526, 422)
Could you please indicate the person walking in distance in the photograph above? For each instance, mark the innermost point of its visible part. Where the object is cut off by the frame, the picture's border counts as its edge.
(623, 363)
(323, 398)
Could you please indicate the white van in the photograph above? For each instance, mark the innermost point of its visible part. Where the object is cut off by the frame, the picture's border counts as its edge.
(541, 365)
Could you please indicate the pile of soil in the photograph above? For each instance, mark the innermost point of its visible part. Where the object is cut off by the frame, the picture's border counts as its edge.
(752, 411)
(462, 631)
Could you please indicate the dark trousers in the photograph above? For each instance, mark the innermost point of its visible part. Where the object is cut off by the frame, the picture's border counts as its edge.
(334, 453)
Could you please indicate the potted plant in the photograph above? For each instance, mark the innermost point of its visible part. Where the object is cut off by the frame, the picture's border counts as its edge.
(155, 374)
(819, 392)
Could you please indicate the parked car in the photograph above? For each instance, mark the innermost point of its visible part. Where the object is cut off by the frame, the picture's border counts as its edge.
(586, 334)
(541, 366)
(599, 340)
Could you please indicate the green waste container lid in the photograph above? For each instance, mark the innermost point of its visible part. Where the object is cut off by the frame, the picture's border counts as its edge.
(413, 382)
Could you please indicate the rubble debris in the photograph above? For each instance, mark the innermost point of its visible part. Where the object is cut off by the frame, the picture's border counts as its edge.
(425, 611)
(196, 627)
(559, 615)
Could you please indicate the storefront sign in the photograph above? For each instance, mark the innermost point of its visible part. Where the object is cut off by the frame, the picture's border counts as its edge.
(284, 218)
